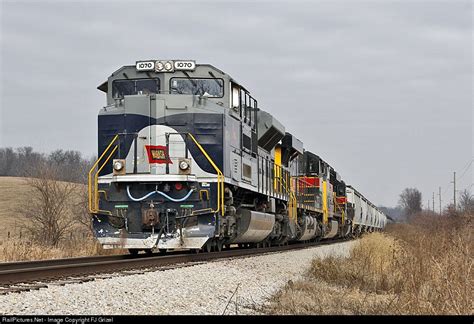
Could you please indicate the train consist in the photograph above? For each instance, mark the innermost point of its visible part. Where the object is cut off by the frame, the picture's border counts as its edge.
(188, 160)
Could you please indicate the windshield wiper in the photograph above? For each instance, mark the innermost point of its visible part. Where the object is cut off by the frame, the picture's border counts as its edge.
(189, 78)
(215, 79)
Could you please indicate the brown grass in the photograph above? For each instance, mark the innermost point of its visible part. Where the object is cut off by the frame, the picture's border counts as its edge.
(22, 250)
(418, 268)
(15, 193)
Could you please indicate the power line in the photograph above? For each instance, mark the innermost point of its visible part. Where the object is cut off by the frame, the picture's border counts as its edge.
(468, 163)
(467, 168)
(448, 185)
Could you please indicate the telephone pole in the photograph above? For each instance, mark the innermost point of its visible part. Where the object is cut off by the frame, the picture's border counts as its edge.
(440, 200)
(454, 190)
(433, 203)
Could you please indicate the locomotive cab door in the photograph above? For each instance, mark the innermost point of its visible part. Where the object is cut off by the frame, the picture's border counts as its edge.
(248, 138)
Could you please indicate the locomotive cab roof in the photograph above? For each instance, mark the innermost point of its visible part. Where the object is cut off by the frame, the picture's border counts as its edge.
(153, 72)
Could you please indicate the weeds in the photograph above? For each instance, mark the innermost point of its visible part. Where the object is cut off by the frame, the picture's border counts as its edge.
(420, 268)
(22, 250)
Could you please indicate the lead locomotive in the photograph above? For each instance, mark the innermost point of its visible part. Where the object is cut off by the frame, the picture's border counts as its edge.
(188, 160)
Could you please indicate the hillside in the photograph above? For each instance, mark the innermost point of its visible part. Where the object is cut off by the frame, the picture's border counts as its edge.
(14, 193)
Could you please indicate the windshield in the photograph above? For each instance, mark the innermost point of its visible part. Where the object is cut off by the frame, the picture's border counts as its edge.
(196, 86)
(122, 88)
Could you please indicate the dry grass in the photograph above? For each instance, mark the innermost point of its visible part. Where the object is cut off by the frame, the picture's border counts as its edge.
(15, 193)
(22, 250)
(420, 268)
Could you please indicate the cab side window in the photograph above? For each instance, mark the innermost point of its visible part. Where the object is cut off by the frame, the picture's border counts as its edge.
(236, 99)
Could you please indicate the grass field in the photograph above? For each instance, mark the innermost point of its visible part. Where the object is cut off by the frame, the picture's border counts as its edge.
(424, 267)
(15, 241)
(14, 193)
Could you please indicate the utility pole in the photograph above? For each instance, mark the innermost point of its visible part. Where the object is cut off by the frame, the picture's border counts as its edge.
(454, 190)
(440, 200)
(433, 203)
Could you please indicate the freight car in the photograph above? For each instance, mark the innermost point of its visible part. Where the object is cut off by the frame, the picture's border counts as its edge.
(189, 160)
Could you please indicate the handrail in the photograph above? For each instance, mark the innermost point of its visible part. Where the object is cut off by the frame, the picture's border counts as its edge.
(220, 177)
(96, 183)
(337, 205)
(292, 208)
(93, 185)
(93, 194)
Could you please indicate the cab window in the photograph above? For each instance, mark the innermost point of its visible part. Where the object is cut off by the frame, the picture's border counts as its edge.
(129, 87)
(213, 88)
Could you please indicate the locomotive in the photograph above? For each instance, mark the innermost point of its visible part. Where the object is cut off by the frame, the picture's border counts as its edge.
(189, 160)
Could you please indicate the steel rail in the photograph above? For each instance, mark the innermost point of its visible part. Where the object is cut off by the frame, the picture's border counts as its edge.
(47, 270)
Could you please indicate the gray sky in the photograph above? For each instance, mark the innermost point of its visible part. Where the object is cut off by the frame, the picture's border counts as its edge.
(382, 90)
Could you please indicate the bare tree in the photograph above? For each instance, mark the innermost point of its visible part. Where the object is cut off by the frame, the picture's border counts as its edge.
(49, 210)
(410, 201)
(7, 161)
(466, 202)
(81, 211)
(23, 161)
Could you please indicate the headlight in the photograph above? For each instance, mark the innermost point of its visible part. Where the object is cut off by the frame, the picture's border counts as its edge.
(118, 165)
(159, 66)
(183, 165)
(168, 66)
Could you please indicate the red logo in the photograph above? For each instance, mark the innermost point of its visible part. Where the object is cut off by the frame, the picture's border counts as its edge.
(157, 154)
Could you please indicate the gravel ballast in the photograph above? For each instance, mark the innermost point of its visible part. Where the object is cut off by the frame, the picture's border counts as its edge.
(232, 286)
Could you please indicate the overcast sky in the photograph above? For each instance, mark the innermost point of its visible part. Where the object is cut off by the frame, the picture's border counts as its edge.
(382, 90)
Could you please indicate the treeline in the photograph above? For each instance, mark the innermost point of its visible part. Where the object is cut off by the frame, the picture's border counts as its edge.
(396, 213)
(68, 165)
(410, 205)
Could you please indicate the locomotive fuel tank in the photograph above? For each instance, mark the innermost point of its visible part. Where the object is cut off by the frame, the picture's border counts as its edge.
(253, 226)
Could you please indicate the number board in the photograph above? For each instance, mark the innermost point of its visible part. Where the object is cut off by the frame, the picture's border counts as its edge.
(185, 65)
(145, 66)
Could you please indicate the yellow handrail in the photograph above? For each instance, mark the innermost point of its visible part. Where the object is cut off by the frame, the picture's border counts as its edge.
(220, 178)
(93, 185)
(337, 205)
(292, 208)
(96, 182)
(94, 203)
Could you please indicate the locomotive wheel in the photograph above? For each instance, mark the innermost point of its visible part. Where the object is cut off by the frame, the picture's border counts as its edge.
(208, 247)
(219, 245)
(133, 251)
(163, 251)
(148, 251)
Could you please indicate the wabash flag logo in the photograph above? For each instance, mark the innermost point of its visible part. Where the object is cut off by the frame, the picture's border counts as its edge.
(157, 154)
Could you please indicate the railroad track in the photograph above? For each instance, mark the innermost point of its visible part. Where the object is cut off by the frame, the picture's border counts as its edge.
(28, 275)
